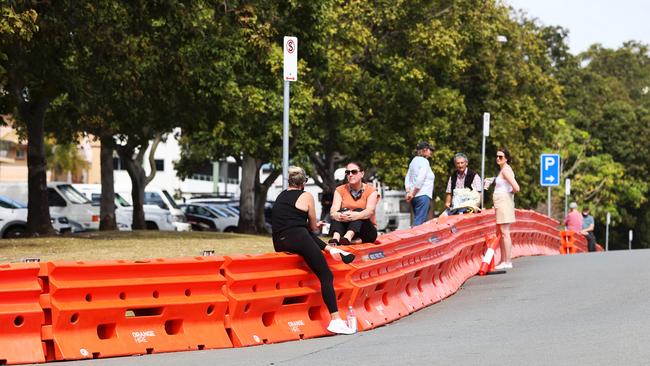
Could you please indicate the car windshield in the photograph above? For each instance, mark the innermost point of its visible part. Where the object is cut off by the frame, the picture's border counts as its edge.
(121, 201)
(223, 210)
(170, 198)
(217, 211)
(72, 194)
(7, 202)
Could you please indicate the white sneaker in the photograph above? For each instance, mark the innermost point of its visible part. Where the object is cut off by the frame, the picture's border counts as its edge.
(504, 265)
(338, 326)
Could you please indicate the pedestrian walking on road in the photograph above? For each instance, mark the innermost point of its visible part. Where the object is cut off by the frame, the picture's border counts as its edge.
(419, 183)
(504, 204)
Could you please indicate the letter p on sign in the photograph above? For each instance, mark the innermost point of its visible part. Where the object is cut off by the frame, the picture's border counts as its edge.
(548, 162)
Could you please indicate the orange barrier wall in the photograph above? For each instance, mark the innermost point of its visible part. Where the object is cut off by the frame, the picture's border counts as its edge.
(76, 310)
(116, 308)
(21, 316)
(275, 297)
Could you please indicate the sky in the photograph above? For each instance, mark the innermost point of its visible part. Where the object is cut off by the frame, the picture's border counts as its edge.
(608, 22)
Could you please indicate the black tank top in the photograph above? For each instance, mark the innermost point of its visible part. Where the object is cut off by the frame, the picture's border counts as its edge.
(285, 215)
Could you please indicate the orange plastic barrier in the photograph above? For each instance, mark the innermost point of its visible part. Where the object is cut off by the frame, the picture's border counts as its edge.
(76, 310)
(413, 268)
(115, 308)
(21, 315)
(568, 243)
(275, 298)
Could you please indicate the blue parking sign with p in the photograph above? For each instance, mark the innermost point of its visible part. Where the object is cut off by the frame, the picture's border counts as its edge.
(549, 170)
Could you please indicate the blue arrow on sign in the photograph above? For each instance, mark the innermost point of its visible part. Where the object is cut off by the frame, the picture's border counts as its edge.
(549, 170)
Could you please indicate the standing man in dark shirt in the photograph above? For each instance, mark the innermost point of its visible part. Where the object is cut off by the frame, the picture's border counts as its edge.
(463, 177)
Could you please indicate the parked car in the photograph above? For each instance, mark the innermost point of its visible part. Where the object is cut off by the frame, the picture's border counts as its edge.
(13, 219)
(64, 200)
(210, 217)
(155, 217)
(162, 199)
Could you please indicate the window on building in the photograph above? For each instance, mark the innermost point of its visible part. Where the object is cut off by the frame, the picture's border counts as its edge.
(117, 164)
(20, 154)
(233, 173)
(160, 165)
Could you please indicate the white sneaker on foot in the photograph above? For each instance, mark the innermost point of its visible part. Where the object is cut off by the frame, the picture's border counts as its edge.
(338, 326)
(504, 265)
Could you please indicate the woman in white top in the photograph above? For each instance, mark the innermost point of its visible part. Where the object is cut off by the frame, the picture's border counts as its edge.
(504, 204)
(419, 183)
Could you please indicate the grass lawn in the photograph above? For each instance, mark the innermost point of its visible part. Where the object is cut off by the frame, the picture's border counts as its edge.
(131, 245)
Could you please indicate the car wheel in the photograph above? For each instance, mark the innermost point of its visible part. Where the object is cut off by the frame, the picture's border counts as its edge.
(151, 225)
(230, 229)
(15, 232)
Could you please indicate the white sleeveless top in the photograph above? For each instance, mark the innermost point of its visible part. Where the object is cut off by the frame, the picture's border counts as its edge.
(502, 185)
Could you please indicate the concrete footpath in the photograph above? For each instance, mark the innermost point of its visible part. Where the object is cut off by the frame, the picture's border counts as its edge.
(586, 309)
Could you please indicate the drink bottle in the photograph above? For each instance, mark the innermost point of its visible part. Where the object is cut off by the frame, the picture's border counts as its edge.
(352, 319)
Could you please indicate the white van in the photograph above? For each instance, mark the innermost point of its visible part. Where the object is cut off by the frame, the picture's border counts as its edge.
(162, 199)
(63, 200)
(13, 219)
(155, 217)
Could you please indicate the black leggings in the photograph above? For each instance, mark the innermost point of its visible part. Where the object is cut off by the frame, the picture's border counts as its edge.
(299, 241)
(363, 229)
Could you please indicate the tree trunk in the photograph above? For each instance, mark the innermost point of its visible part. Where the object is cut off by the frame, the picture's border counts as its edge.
(38, 212)
(261, 191)
(107, 202)
(247, 195)
(325, 166)
(138, 178)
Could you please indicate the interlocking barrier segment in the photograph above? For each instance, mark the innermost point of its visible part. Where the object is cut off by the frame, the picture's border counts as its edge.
(21, 316)
(275, 297)
(116, 308)
(568, 242)
(76, 310)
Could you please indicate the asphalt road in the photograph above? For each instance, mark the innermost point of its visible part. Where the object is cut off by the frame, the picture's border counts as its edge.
(587, 309)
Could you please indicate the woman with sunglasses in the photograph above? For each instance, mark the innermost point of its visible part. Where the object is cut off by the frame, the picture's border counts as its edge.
(353, 209)
(504, 204)
(419, 183)
(294, 222)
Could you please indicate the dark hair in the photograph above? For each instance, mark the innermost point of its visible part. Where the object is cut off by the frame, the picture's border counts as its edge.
(506, 153)
(357, 164)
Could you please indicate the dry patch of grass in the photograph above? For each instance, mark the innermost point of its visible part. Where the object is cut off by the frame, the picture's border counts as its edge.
(131, 245)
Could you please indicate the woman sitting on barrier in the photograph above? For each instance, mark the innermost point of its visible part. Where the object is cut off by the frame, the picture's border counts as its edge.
(353, 209)
(504, 204)
(294, 221)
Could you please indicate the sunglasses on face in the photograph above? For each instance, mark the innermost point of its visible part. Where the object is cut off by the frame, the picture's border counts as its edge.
(352, 172)
(501, 156)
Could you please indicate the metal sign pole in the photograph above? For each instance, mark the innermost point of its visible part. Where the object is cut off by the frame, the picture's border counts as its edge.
(548, 201)
(285, 138)
(609, 218)
(486, 132)
(290, 74)
(567, 193)
(630, 240)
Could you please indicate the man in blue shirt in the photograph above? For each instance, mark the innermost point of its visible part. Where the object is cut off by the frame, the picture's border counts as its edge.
(588, 229)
